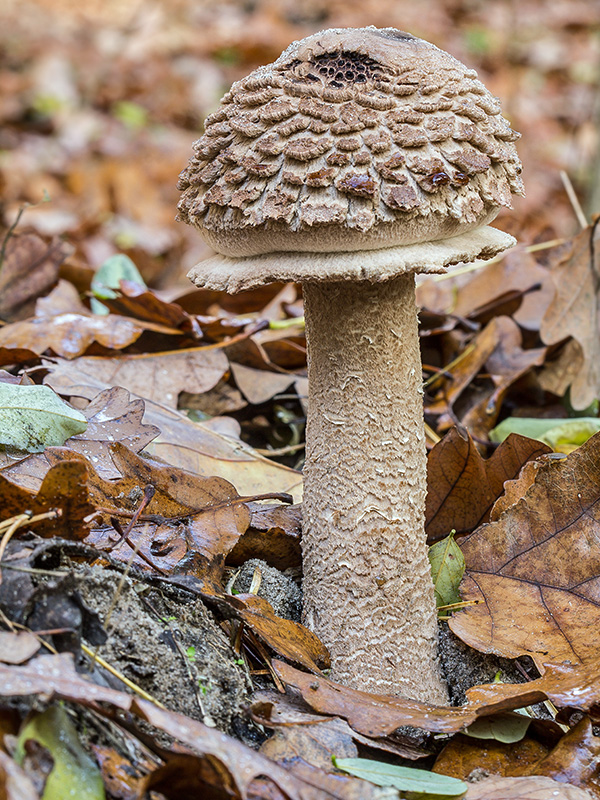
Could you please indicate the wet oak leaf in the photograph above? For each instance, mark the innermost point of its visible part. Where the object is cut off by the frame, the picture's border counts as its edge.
(198, 447)
(535, 571)
(65, 487)
(112, 417)
(462, 486)
(575, 758)
(575, 310)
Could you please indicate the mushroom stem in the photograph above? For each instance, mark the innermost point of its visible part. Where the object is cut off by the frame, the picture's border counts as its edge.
(367, 581)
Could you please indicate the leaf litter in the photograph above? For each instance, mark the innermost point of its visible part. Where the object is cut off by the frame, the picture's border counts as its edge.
(122, 546)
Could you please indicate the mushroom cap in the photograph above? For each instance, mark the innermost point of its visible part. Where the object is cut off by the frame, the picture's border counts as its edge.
(354, 139)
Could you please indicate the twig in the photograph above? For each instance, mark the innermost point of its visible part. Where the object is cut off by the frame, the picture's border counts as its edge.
(133, 686)
(573, 199)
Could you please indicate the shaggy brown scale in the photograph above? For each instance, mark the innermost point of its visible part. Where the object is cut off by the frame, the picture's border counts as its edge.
(375, 129)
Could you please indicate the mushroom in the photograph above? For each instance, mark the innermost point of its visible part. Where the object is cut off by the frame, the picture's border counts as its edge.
(357, 159)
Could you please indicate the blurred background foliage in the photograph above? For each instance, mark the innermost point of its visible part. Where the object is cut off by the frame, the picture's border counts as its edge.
(100, 101)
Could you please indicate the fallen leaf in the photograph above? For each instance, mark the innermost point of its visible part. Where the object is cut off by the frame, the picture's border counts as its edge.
(575, 311)
(34, 417)
(29, 269)
(14, 783)
(515, 489)
(259, 385)
(575, 758)
(526, 788)
(160, 376)
(371, 714)
(17, 647)
(289, 639)
(64, 488)
(121, 779)
(112, 417)
(462, 486)
(315, 744)
(516, 272)
(462, 755)
(447, 567)
(405, 779)
(566, 685)
(273, 536)
(193, 446)
(534, 572)
(73, 772)
(278, 711)
(70, 333)
(218, 755)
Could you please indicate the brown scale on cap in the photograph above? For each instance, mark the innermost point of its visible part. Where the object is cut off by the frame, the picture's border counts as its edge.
(353, 139)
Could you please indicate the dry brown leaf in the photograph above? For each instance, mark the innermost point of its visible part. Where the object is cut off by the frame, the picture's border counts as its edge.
(278, 711)
(64, 326)
(534, 572)
(29, 269)
(14, 783)
(193, 446)
(515, 489)
(566, 685)
(120, 777)
(575, 310)
(218, 755)
(527, 788)
(273, 536)
(315, 744)
(371, 714)
(259, 385)
(380, 715)
(517, 272)
(462, 486)
(17, 647)
(160, 376)
(470, 362)
(288, 638)
(136, 301)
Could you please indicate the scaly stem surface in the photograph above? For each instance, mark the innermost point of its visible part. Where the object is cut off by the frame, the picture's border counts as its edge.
(368, 592)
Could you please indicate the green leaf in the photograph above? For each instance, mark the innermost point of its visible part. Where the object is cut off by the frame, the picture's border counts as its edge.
(447, 568)
(406, 779)
(108, 278)
(34, 417)
(560, 434)
(506, 728)
(74, 773)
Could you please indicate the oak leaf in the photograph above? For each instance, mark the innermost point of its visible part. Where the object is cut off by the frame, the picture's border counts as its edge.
(462, 486)
(575, 312)
(534, 572)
